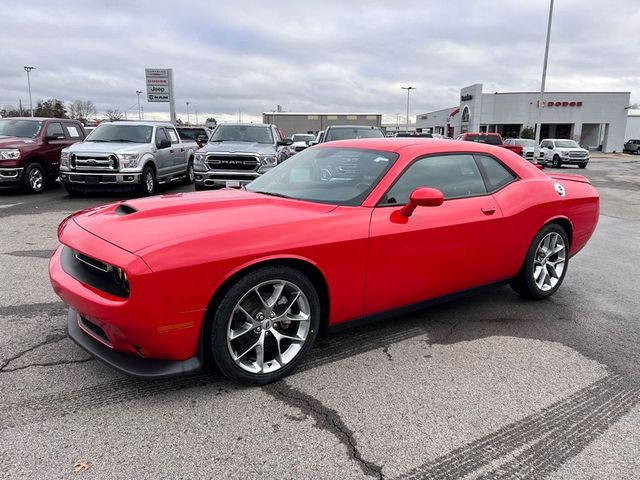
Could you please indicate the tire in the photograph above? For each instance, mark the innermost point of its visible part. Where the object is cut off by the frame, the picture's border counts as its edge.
(148, 182)
(557, 163)
(244, 325)
(34, 179)
(72, 191)
(582, 165)
(542, 273)
(189, 177)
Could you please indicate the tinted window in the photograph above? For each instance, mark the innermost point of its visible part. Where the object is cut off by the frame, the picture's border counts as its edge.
(242, 133)
(497, 175)
(349, 133)
(19, 128)
(54, 129)
(454, 175)
(114, 132)
(488, 139)
(160, 135)
(191, 133)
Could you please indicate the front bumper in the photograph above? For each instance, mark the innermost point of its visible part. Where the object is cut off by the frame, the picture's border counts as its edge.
(10, 175)
(215, 179)
(107, 179)
(574, 160)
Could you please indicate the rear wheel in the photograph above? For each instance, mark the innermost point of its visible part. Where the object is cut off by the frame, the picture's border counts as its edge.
(545, 264)
(33, 178)
(147, 182)
(264, 325)
(557, 163)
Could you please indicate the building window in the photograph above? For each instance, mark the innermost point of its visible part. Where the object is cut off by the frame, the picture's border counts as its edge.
(332, 117)
(465, 114)
(312, 117)
(371, 117)
(352, 117)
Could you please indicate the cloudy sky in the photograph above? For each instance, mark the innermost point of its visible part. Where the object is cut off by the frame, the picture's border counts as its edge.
(324, 55)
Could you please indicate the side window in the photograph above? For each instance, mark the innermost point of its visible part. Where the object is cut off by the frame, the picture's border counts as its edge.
(455, 176)
(173, 136)
(496, 174)
(544, 144)
(73, 132)
(160, 135)
(55, 129)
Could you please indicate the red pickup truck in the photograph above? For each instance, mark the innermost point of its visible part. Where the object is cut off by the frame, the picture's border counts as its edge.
(30, 150)
(491, 139)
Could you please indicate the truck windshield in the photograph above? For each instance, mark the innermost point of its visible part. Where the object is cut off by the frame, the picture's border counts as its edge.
(20, 128)
(349, 133)
(303, 138)
(566, 144)
(111, 132)
(242, 133)
(337, 176)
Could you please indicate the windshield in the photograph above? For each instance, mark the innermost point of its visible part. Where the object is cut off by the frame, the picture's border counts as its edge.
(349, 133)
(566, 144)
(242, 133)
(111, 132)
(525, 143)
(488, 139)
(20, 128)
(303, 138)
(191, 133)
(337, 176)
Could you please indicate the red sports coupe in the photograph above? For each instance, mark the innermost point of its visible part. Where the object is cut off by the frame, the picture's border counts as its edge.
(341, 231)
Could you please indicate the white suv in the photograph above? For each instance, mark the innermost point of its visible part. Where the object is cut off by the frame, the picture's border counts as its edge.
(560, 151)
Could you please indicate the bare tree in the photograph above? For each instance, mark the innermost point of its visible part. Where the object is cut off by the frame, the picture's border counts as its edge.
(82, 110)
(114, 114)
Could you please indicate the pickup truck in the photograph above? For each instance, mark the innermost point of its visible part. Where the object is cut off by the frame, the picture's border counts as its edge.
(490, 139)
(632, 146)
(133, 155)
(238, 153)
(30, 150)
(559, 151)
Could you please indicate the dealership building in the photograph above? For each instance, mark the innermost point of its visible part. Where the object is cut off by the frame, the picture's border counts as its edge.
(596, 120)
(291, 123)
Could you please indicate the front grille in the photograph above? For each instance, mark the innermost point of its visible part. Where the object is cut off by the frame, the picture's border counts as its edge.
(577, 154)
(99, 162)
(92, 272)
(232, 162)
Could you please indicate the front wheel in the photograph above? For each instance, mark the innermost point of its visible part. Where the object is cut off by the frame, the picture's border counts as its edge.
(190, 175)
(147, 182)
(557, 163)
(33, 179)
(264, 325)
(545, 265)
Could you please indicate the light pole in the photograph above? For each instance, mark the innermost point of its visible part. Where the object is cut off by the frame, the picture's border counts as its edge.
(544, 79)
(28, 70)
(187, 113)
(138, 92)
(408, 89)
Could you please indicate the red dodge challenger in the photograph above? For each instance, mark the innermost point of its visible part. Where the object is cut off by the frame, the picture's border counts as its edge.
(341, 231)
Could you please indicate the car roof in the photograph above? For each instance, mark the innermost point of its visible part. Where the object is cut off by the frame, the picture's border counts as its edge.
(352, 126)
(146, 123)
(40, 119)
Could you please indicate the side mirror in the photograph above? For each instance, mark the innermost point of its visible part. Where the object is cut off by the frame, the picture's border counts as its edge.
(285, 142)
(422, 197)
(164, 143)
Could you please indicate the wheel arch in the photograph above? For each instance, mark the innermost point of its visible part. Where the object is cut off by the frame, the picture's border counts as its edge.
(566, 225)
(149, 160)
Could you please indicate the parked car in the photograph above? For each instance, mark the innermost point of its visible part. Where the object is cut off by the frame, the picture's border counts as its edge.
(632, 146)
(528, 146)
(559, 151)
(247, 278)
(126, 155)
(300, 142)
(30, 150)
(489, 139)
(194, 137)
(348, 132)
(238, 153)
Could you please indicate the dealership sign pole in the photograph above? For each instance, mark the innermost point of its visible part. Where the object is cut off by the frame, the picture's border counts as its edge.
(544, 79)
(160, 88)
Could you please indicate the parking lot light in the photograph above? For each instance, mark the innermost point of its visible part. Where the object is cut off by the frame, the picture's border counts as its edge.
(28, 70)
(408, 89)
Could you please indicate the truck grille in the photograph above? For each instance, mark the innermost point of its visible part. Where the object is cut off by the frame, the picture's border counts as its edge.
(577, 154)
(232, 162)
(99, 162)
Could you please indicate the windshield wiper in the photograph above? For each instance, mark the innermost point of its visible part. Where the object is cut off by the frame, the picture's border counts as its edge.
(124, 140)
(272, 194)
(97, 141)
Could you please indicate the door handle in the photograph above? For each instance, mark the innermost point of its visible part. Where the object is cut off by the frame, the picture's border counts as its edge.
(171, 151)
(488, 209)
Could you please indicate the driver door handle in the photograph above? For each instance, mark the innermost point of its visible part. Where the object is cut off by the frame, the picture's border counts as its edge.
(488, 209)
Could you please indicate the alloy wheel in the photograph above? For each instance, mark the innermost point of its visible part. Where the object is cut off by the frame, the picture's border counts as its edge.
(268, 327)
(149, 182)
(36, 179)
(549, 261)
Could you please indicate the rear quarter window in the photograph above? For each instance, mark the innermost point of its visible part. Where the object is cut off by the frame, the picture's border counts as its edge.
(496, 174)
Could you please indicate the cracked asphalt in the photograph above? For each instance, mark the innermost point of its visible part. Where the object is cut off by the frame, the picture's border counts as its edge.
(490, 387)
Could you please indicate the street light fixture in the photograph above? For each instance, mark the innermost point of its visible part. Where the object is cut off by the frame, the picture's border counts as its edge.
(544, 79)
(138, 92)
(187, 113)
(408, 89)
(28, 70)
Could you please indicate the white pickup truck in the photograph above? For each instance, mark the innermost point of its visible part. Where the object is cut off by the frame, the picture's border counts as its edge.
(558, 151)
(127, 155)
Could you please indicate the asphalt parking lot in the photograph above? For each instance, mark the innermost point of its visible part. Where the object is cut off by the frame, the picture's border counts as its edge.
(487, 387)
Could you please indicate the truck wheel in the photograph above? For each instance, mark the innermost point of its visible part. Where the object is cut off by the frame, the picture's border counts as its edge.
(188, 178)
(33, 178)
(557, 163)
(147, 182)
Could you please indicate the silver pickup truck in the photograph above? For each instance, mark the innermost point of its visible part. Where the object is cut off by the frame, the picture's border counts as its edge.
(127, 155)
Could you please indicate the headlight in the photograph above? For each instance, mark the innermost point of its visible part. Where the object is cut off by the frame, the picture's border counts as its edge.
(199, 157)
(128, 160)
(121, 279)
(64, 159)
(9, 154)
(268, 160)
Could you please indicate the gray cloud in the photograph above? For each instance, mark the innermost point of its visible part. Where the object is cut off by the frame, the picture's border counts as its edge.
(325, 56)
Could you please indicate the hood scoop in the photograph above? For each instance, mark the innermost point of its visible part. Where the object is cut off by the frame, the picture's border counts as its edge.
(124, 209)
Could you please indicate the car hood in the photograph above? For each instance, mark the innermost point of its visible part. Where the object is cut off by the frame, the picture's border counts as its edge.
(111, 147)
(134, 225)
(15, 142)
(239, 147)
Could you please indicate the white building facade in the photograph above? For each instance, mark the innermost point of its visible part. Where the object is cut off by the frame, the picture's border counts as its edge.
(596, 120)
